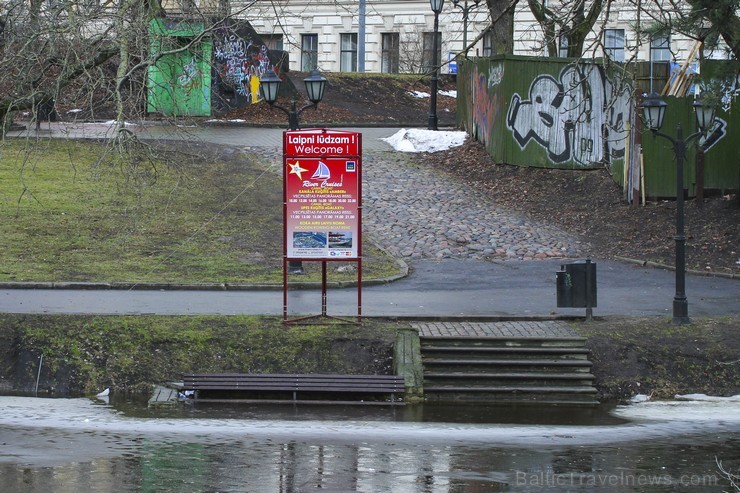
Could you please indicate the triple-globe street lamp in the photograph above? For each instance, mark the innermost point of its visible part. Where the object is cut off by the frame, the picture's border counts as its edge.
(653, 113)
(436, 8)
(466, 9)
(270, 87)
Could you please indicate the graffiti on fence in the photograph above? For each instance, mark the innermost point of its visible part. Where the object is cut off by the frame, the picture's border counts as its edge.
(579, 116)
(240, 64)
(495, 75)
(716, 133)
(485, 100)
(730, 88)
(191, 78)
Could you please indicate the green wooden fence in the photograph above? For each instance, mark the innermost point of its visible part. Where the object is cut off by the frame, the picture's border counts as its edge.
(721, 158)
(563, 113)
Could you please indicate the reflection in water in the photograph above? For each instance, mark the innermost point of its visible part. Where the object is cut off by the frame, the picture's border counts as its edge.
(420, 413)
(241, 465)
(72, 446)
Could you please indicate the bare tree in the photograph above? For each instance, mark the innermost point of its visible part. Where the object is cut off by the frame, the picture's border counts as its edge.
(502, 25)
(707, 21)
(572, 22)
(414, 55)
(78, 50)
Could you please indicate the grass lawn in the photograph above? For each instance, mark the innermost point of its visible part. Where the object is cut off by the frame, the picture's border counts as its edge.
(70, 211)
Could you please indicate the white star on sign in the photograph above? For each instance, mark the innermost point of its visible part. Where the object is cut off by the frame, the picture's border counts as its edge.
(295, 169)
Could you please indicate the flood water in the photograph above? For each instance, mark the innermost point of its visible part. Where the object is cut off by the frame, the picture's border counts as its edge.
(80, 445)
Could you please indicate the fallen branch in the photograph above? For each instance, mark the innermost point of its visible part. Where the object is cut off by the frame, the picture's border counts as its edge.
(728, 363)
(733, 478)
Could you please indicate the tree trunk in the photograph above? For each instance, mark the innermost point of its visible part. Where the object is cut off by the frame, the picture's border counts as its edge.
(502, 25)
(582, 25)
(546, 19)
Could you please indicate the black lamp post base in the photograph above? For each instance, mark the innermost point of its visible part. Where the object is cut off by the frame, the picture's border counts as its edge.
(680, 312)
(432, 125)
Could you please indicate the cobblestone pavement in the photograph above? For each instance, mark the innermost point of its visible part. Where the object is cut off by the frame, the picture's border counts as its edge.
(549, 328)
(417, 213)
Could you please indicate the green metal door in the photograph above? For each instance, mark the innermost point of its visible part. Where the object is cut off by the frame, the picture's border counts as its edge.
(179, 84)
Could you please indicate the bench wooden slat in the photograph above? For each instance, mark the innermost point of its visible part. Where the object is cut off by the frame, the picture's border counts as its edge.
(295, 383)
(280, 376)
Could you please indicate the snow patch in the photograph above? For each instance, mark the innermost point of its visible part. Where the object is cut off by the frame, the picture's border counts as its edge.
(113, 122)
(636, 399)
(707, 398)
(418, 140)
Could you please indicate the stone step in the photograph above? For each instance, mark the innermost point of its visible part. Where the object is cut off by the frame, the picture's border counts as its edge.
(450, 365)
(428, 342)
(513, 394)
(474, 381)
(502, 369)
(475, 352)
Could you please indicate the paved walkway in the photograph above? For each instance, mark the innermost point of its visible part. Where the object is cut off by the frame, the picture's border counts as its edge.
(515, 329)
(417, 212)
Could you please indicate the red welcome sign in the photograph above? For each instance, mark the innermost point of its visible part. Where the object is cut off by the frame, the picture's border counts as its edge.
(322, 142)
(322, 195)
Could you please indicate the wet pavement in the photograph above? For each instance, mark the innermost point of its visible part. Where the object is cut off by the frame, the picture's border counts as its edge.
(452, 288)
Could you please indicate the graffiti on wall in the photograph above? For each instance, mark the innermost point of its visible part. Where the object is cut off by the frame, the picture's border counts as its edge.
(730, 89)
(485, 100)
(240, 64)
(191, 78)
(716, 133)
(580, 116)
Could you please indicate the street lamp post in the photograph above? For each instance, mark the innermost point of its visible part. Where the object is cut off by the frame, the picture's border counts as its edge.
(436, 8)
(466, 8)
(270, 87)
(653, 113)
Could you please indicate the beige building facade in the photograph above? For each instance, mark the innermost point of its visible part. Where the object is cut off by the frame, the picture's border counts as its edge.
(397, 35)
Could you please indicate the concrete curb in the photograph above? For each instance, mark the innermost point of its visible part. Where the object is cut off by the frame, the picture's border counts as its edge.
(657, 265)
(181, 286)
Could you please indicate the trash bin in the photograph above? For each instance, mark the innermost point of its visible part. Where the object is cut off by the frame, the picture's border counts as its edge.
(576, 285)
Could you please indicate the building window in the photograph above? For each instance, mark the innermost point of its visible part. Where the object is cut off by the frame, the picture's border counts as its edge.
(614, 44)
(389, 53)
(273, 41)
(660, 48)
(427, 53)
(488, 43)
(563, 49)
(309, 52)
(348, 53)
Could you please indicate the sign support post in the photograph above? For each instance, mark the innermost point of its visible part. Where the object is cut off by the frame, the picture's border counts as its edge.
(322, 211)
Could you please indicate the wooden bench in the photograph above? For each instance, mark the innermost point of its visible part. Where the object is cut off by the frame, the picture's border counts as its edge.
(305, 388)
